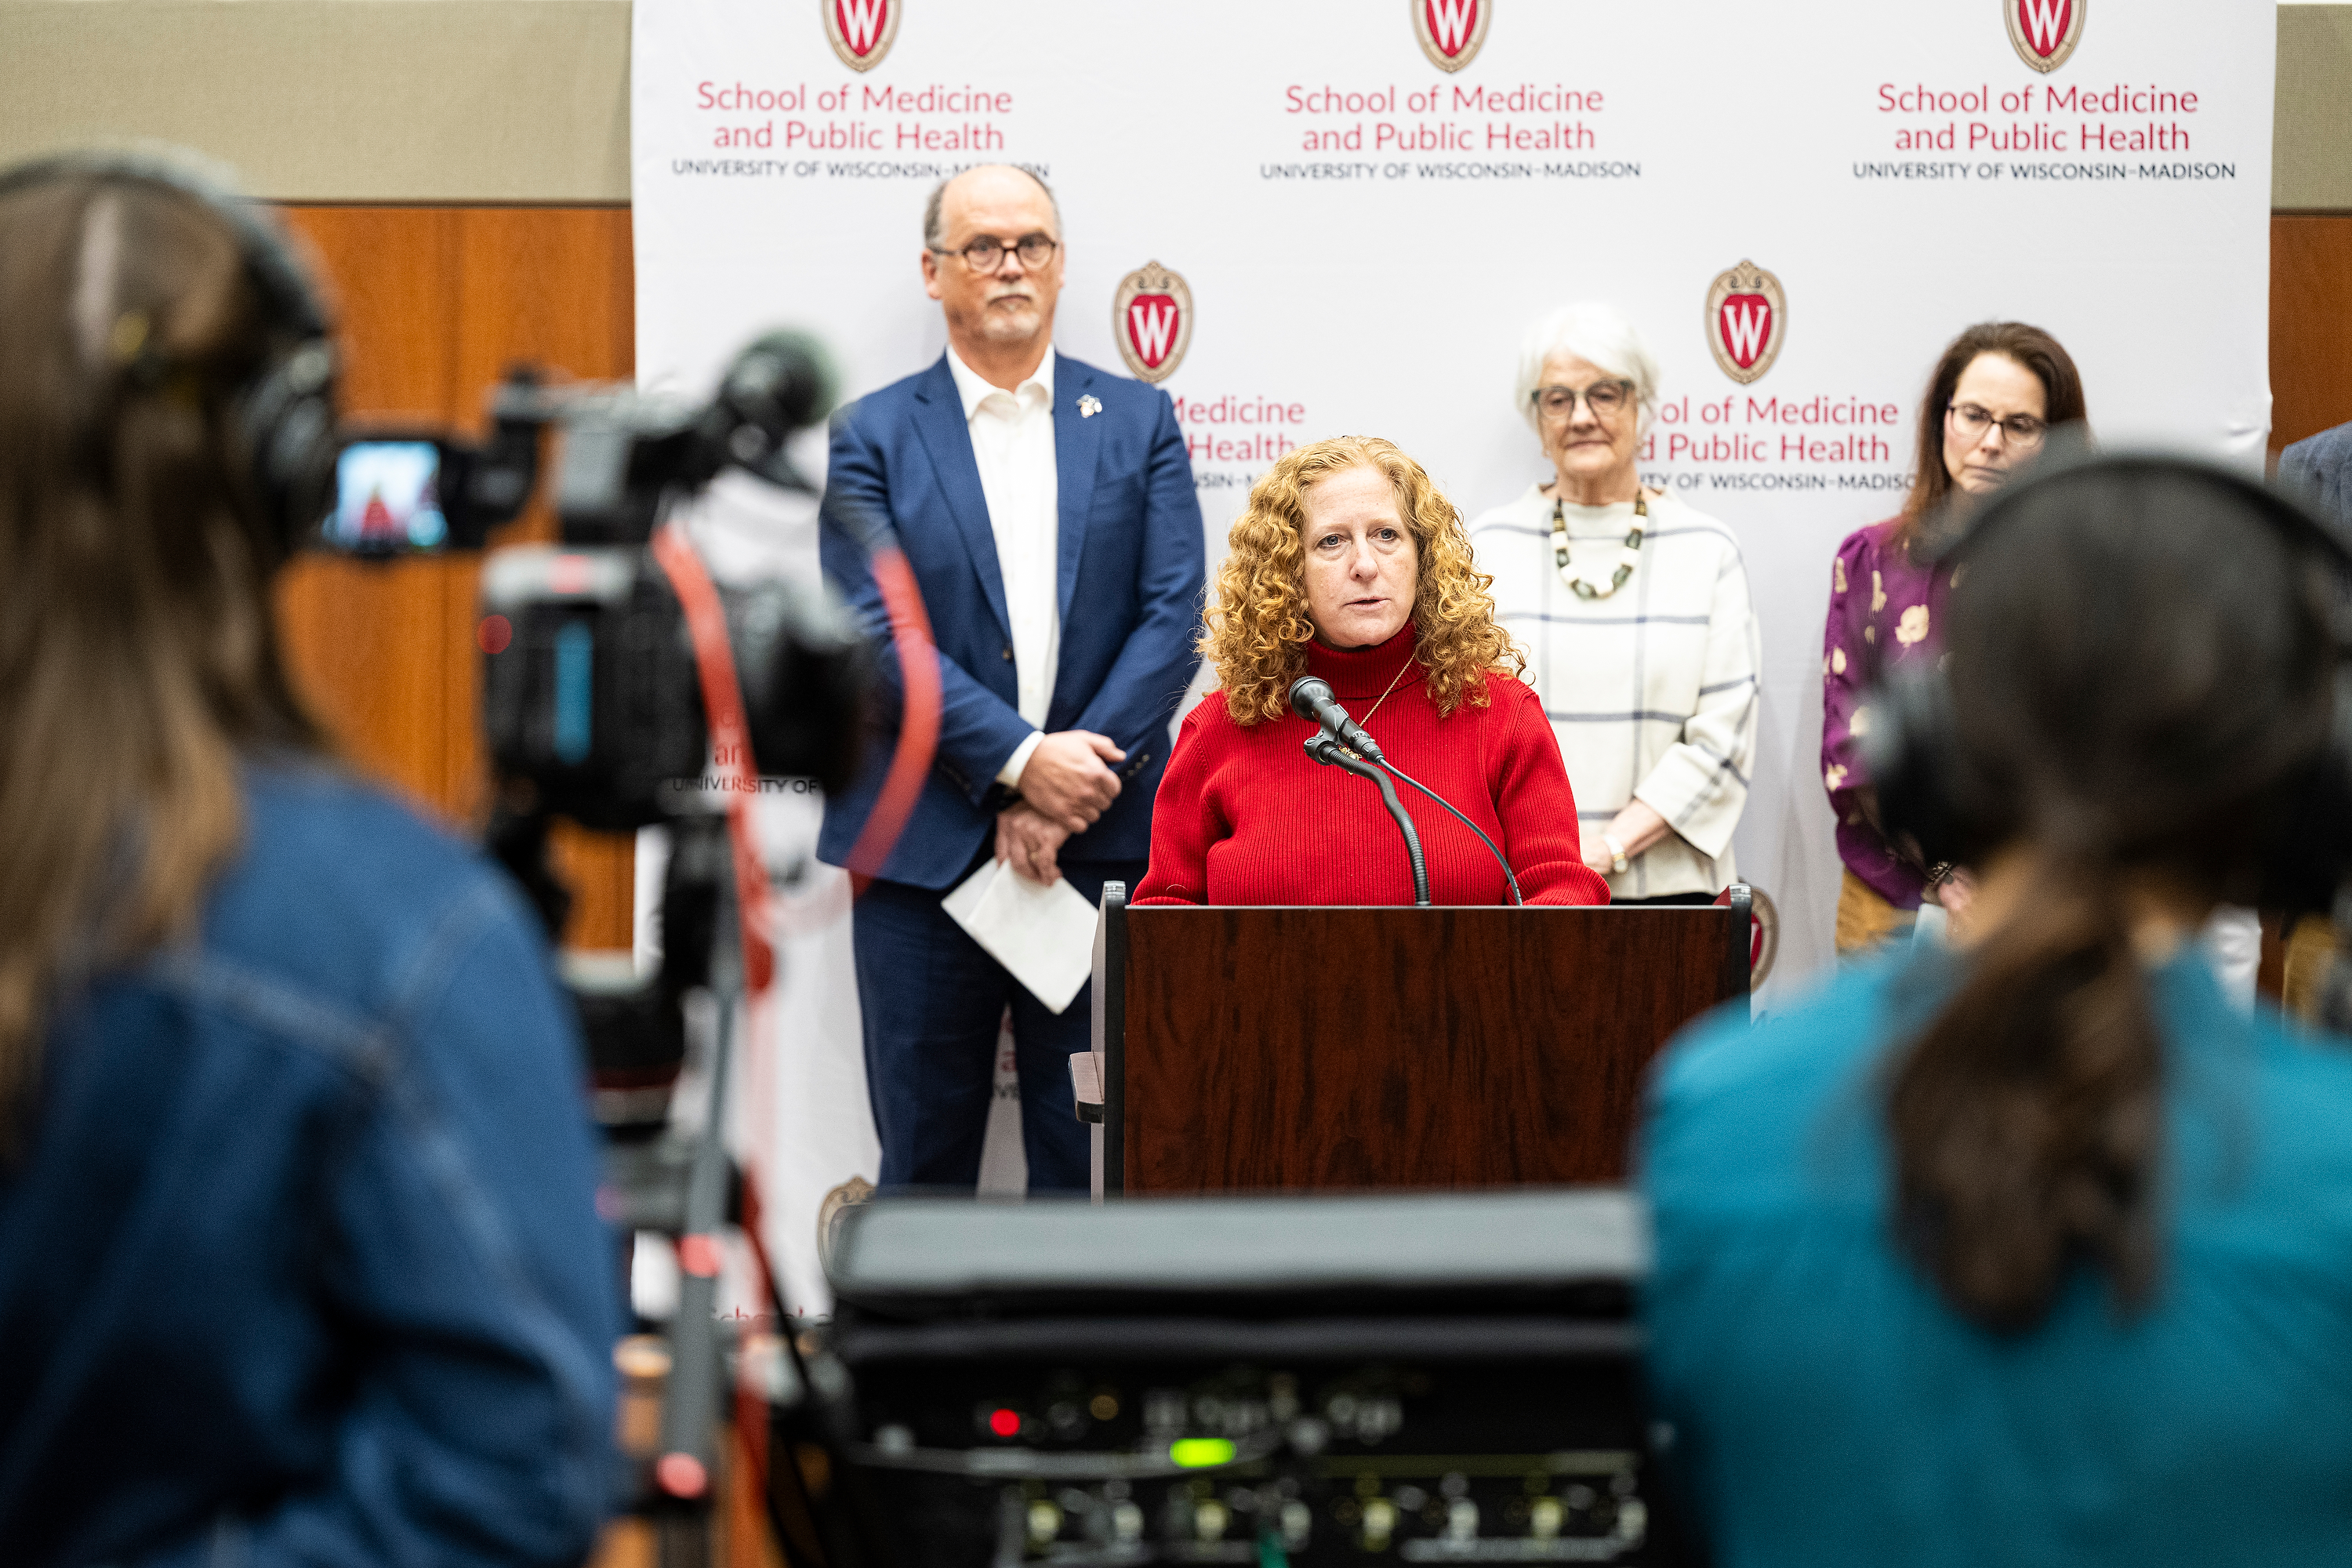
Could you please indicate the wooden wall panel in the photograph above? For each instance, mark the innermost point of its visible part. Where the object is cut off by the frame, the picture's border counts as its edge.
(433, 304)
(368, 650)
(2311, 383)
(390, 275)
(555, 286)
(366, 642)
(2311, 325)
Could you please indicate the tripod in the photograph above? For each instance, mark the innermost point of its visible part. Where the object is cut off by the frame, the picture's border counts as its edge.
(680, 1182)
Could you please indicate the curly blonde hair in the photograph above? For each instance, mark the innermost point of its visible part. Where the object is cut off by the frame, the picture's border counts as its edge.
(1258, 629)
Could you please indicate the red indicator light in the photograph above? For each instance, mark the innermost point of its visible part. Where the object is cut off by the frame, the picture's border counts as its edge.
(681, 1474)
(1004, 1423)
(494, 634)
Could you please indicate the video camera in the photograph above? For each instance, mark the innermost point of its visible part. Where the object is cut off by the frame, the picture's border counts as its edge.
(592, 704)
(589, 689)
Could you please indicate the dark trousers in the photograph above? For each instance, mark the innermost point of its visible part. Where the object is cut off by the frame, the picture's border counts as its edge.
(932, 1000)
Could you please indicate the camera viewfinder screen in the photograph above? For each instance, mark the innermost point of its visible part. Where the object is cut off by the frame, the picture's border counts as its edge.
(388, 497)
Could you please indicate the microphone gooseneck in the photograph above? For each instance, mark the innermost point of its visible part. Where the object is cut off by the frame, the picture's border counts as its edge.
(1516, 897)
(1311, 699)
(1326, 749)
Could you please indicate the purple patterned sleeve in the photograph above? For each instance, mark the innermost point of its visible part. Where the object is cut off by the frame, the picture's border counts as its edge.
(1845, 670)
(1884, 610)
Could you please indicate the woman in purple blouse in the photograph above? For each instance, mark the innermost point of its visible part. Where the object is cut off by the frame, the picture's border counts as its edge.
(1995, 393)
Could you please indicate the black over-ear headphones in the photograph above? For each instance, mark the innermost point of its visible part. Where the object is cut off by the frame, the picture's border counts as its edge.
(1926, 791)
(285, 415)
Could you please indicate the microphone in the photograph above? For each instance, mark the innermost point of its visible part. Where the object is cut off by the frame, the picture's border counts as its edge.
(1311, 699)
(781, 382)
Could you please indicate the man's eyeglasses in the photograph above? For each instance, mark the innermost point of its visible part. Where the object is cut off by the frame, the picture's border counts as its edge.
(987, 253)
(1604, 397)
(2021, 430)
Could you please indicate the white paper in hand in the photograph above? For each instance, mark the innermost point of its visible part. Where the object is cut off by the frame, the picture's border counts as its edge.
(1043, 935)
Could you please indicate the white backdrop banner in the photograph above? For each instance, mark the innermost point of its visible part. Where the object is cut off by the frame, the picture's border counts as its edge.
(1327, 217)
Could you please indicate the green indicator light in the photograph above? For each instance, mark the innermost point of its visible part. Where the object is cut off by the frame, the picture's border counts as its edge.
(1193, 1453)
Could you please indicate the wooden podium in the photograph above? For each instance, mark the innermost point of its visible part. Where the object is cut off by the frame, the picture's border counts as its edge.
(1254, 1049)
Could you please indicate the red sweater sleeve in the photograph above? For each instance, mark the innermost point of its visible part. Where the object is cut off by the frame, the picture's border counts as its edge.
(1183, 822)
(1537, 808)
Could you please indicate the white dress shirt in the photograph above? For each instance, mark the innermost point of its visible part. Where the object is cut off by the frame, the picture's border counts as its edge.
(1012, 443)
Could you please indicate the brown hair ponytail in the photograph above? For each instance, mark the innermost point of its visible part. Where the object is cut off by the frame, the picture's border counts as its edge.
(2025, 1119)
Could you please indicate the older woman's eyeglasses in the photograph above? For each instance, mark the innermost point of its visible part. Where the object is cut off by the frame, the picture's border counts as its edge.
(987, 253)
(1604, 397)
(2021, 430)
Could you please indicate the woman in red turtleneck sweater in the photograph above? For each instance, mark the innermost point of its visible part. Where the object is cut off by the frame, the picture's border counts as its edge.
(1348, 564)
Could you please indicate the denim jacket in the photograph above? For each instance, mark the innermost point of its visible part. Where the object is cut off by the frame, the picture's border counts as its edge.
(302, 1262)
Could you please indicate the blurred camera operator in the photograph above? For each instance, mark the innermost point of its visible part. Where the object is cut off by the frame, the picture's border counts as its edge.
(2037, 1251)
(299, 1255)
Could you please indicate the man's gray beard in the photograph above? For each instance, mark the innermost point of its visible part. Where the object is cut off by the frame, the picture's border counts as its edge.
(1002, 331)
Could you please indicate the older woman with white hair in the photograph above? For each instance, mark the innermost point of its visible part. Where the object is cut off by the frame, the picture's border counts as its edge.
(1633, 610)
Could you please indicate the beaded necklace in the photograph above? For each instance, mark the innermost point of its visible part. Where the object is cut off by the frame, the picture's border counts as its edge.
(1629, 554)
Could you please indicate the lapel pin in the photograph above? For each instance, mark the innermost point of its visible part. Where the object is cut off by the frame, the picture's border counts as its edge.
(1090, 406)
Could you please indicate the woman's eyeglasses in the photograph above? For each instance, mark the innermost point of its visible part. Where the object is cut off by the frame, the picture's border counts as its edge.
(1604, 397)
(2023, 430)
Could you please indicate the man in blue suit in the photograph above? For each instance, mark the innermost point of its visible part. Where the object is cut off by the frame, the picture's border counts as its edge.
(1047, 511)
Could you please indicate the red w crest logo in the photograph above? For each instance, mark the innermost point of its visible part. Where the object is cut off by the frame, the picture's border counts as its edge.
(2044, 32)
(1452, 30)
(1151, 321)
(861, 31)
(1745, 321)
(1746, 317)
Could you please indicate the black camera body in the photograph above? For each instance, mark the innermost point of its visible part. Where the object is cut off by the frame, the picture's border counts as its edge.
(594, 710)
(592, 697)
(590, 688)
(590, 691)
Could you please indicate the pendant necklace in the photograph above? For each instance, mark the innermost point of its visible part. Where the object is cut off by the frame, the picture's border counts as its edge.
(1409, 661)
(1628, 553)
(1392, 687)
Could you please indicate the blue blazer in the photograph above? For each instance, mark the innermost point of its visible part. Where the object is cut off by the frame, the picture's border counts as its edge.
(1130, 563)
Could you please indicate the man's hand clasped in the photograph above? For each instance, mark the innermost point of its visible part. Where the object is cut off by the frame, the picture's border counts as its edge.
(1031, 842)
(1065, 787)
(1069, 779)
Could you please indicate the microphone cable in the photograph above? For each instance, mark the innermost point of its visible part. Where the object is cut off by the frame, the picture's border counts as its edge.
(1516, 897)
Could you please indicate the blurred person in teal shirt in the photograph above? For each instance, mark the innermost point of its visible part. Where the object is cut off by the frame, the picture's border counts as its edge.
(2038, 1251)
